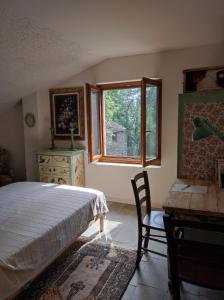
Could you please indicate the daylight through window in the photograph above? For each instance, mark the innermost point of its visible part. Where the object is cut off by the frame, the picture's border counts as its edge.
(124, 122)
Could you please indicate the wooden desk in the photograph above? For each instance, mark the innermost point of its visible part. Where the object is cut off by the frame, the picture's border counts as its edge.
(195, 256)
(209, 205)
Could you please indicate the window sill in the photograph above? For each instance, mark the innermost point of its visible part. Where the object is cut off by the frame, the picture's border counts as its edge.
(125, 165)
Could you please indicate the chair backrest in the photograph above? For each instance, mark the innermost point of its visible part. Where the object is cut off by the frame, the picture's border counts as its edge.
(140, 184)
(196, 251)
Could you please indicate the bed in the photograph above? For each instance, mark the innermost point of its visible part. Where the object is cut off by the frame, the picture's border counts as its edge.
(37, 221)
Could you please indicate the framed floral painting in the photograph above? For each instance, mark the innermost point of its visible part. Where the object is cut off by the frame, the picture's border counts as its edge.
(67, 112)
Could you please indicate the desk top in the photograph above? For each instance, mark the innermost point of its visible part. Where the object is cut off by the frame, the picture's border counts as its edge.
(210, 203)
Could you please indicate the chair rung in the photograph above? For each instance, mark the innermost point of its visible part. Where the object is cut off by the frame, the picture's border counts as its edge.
(149, 237)
(156, 235)
(139, 176)
(143, 199)
(158, 253)
(141, 188)
(159, 241)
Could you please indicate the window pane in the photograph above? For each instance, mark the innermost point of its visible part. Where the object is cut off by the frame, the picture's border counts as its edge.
(95, 123)
(151, 122)
(122, 122)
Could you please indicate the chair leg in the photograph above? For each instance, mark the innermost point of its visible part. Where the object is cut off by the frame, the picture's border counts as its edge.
(146, 240)
(175, 286)
(139, 250)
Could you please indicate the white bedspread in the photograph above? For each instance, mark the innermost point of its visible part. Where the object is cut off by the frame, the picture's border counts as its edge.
(37, 220)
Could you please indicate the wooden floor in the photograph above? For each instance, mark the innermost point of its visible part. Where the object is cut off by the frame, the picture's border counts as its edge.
(150, 281)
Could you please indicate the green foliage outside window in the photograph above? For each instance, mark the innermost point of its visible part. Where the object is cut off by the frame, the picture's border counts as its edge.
(123, 107)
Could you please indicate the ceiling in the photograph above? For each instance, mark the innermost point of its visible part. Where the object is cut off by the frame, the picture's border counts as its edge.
(45, 42)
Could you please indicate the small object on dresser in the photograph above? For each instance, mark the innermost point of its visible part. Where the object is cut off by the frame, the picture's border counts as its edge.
(52, 129)
(72, 138)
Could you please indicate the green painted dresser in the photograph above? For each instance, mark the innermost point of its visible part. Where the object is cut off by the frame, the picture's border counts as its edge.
(61, 166)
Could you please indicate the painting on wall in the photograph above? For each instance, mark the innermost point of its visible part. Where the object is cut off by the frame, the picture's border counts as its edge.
(200, 134)
(203, 79)
(67, 112)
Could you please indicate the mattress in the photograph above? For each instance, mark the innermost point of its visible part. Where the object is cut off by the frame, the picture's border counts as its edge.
(37, 221)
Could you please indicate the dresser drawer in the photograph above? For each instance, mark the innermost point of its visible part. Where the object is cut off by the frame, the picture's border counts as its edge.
(54, 179)
(44, 160)
(56, 170)
(60, 179)
(54, 160)
(45, 178)
(45, 169)
(53, 171)
(60, 160)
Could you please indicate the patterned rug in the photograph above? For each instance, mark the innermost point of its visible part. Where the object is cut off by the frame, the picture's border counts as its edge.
(90, 271)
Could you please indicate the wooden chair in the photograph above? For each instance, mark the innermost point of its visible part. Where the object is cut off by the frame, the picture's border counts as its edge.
(192, 257)
(150, 220)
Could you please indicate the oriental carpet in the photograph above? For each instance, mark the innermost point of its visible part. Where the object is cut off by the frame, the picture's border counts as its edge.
(87, 270)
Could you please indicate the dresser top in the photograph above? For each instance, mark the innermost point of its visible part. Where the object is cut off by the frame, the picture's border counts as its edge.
(63, 152)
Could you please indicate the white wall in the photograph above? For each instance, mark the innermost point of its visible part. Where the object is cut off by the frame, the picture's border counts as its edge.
(12, 139)
(32, 140)
(114, 180)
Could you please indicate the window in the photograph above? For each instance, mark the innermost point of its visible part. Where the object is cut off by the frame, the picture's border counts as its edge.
(124, 122)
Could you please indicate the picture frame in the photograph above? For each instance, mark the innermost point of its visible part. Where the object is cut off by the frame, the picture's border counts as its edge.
(67, 112)
(203, 79)
(198, 145)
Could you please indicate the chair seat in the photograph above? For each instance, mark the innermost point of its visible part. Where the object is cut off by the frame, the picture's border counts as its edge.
(154, 220)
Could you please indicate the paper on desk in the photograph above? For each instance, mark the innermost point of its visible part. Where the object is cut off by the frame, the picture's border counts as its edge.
(184, 188)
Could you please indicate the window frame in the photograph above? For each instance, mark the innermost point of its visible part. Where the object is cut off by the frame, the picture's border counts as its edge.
(89, 88)
(158, 84)
(124, 85)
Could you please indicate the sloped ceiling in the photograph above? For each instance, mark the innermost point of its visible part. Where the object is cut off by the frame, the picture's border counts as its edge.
(47, 41)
